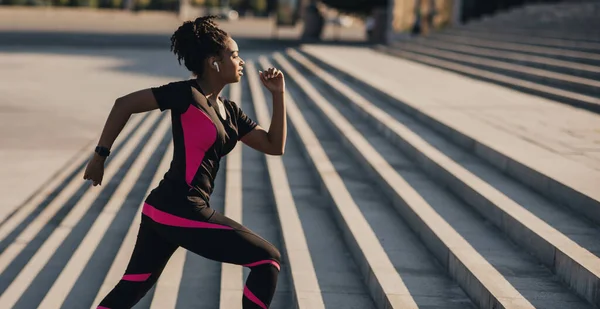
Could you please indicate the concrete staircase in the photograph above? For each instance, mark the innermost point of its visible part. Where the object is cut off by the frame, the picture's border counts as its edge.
(550, 50)
(393, 193)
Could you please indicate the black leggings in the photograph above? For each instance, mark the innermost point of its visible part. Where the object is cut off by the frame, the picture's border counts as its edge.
(211, 235)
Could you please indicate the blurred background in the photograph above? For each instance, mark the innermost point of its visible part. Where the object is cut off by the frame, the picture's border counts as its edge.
(376, 17)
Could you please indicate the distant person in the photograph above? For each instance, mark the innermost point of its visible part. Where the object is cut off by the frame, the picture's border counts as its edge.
(314, 22)
(206, 127)
(431, 13)
(416, 28)
(370, 27)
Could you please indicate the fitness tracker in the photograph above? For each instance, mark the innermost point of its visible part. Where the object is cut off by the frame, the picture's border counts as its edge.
(102, 151)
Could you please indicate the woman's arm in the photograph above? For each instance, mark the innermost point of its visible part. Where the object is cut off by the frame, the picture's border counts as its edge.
(136, 102)
(124, 107)
(278, 128)
(273, 141)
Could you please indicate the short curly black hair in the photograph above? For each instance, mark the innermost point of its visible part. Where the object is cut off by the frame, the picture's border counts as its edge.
(194, 41)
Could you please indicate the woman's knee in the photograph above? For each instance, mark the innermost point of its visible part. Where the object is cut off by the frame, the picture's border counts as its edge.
(270, 252)
(270, 256)
(276, 255)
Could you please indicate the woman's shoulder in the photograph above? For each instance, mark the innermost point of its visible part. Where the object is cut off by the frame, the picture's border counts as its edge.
(173, 95)
(179, 83)
(230, 105)
(172, 85)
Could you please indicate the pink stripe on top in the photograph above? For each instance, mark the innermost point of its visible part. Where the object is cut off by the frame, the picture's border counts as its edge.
(100, 307)
(137, 277)
(172, 220)
(253, 298)
(264, 262)
(199, 134)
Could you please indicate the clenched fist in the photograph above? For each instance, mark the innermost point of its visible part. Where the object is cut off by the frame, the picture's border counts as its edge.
(95, 170)
(273, 79)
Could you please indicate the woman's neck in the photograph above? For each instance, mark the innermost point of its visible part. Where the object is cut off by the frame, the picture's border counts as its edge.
(211, 89)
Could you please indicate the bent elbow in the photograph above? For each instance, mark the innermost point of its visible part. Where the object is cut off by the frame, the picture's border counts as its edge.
(276, 152)
(279, 152)
(121, 107)
(119, 103)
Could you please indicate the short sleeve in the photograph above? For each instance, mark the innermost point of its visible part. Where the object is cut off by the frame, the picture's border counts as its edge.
(172, 96)
(245, 124)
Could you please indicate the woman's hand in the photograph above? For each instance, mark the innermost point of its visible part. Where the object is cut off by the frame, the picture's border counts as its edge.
(95, 170)
(273, 80)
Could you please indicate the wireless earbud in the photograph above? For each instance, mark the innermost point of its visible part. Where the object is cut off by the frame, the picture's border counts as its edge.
(216, 66)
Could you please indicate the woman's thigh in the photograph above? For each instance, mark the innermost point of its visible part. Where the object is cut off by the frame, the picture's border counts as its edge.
(225, 240)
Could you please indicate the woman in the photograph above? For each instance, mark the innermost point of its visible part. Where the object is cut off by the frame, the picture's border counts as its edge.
(205, 128)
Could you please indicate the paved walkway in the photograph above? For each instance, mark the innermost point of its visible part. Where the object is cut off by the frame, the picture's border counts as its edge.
(54, 102)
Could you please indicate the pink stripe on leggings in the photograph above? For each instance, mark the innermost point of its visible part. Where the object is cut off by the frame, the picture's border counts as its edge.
(264, 262)
(100, 307)
(172, 220)
(253, 298)
(137, 277)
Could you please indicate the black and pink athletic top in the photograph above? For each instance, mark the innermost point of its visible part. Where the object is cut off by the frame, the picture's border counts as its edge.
(201, 137)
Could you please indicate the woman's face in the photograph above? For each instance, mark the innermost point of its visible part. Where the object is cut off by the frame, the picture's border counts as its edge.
(231, 65)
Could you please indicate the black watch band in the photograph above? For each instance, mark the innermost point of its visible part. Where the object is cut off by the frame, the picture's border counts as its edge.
(102, 151)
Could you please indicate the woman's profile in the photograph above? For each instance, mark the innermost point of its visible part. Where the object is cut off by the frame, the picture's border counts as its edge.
(206, 127)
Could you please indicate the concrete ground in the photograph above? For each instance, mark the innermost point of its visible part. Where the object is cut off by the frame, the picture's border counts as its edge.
(54, 103)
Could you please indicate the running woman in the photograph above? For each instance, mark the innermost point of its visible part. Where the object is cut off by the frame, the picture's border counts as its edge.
(205, 128)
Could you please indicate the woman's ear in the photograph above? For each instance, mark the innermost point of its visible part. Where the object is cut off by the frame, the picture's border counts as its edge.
(213, 62)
